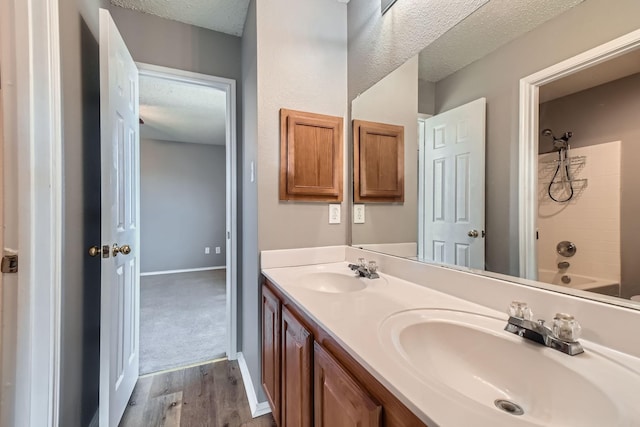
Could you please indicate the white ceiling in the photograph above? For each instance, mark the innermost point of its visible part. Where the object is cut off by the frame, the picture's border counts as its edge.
(491, 26)
(181, 112)
(226, 16)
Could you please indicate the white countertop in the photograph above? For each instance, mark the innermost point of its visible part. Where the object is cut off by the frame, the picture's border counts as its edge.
(354, 319)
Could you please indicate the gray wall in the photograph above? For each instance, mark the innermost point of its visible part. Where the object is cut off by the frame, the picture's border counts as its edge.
(159, 41)
(249, 269)
(80, 335)
(497, 77)
(606, 113)
(182, 205)
(302, 63)
(393, 100)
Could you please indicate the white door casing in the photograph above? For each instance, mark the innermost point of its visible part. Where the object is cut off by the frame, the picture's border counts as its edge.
(120, 280)
(453, 161)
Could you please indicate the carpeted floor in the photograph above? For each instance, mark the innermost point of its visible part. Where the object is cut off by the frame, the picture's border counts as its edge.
(182, 319)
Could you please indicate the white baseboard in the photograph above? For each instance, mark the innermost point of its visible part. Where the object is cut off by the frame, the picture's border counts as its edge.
(257, 408)
(188, 270)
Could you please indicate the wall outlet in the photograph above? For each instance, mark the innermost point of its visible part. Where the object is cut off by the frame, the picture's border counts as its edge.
(207, 250)
(334, 214)
(217, 249)
(358, 214)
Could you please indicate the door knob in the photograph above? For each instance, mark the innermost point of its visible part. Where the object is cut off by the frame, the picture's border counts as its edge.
(473, 233)
(95, 251)
(124, 249)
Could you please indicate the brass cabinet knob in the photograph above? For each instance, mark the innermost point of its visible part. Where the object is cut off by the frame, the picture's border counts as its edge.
(124, 249)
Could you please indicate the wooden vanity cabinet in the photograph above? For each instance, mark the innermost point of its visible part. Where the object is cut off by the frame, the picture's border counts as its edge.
(338, 399)
(297, 369)
(271, 350)
(311, 380)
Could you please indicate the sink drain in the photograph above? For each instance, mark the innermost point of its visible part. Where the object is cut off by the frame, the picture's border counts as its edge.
(508, 407)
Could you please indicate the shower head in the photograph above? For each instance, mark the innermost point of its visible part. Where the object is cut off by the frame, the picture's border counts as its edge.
(558, 143)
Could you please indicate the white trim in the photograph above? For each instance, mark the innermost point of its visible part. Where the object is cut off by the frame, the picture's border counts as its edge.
(528, 157)
(257, 408)
(229, 86)
(31, 56)
(187, 270)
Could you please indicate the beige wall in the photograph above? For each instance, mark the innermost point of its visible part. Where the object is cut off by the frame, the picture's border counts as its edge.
(302, 65)
(497, 77)
(393, 100)
(605, 113)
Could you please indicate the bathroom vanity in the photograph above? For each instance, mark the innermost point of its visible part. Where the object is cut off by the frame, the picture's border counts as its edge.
(426, 345)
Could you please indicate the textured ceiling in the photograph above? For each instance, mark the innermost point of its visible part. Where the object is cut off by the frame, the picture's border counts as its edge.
(226, 16)
(491, 26)
(181, 112)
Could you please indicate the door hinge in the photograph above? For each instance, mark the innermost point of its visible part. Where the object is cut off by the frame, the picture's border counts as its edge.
(9, 264)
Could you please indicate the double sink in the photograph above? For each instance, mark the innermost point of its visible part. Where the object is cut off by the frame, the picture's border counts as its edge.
(468, 359)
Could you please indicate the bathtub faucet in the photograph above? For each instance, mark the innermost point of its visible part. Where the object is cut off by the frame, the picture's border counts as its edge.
(563, 265)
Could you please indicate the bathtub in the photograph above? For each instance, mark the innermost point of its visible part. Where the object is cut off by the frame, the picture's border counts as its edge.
(584, 283)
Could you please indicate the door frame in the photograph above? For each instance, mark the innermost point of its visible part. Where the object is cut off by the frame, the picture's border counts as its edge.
(528, 153)
(30, 61)
(421, 182)
(229, 87)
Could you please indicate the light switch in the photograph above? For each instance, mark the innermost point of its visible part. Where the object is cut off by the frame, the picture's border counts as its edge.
(334, 214)
(358, 214)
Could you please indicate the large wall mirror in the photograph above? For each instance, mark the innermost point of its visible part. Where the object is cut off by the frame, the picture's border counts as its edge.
(460, 103)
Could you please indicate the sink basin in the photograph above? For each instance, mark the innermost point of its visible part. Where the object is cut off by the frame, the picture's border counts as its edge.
(469, 358)
(332, 282)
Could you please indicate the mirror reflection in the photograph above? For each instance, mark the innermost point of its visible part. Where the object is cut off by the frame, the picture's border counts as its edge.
(458, 101)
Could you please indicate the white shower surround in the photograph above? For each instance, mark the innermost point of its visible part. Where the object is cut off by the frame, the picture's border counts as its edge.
(591, 219)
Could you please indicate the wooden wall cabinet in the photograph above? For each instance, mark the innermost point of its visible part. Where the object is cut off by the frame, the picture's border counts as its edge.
(321, 384)
(378, 162)
(311, 156)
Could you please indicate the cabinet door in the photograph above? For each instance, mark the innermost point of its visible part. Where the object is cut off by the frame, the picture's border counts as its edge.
(297, 352)
(338, 400)
(271, 350)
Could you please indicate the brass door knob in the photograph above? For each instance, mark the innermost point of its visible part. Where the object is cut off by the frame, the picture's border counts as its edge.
(124, 249)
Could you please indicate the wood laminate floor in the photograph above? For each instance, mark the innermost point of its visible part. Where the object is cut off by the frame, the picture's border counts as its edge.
(210, 395)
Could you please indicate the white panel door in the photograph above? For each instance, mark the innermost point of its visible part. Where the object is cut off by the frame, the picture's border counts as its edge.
(120, 281)
(453, 161)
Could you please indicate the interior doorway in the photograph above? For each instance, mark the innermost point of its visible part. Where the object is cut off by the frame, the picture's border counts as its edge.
(572, 206)
(187, 147)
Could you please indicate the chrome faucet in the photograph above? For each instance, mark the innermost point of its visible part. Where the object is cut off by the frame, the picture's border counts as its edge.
(563, 265)
(362, 269)
(562, 337)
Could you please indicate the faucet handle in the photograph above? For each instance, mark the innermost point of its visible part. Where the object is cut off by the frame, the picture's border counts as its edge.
(373, 267)
(361, 262)
(520, 309)
(566, 327)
